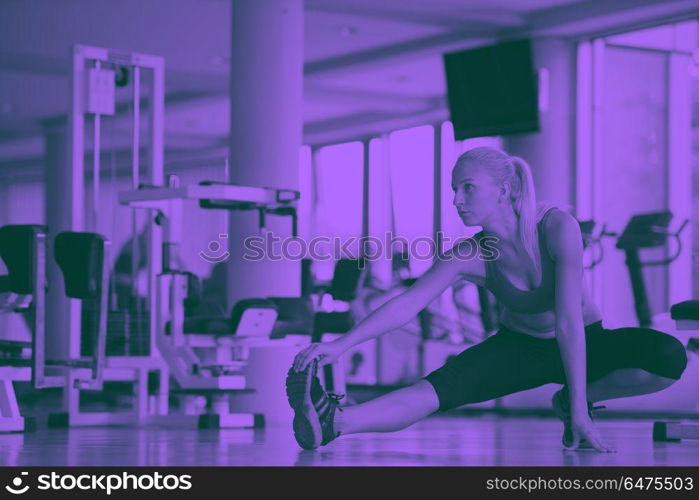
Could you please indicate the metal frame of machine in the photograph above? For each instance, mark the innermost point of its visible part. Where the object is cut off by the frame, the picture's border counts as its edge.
(163, 204)
(201, 364)
(73, 374)
(117, 368)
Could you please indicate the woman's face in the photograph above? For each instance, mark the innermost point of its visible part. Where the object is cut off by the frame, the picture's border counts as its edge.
(475, 193)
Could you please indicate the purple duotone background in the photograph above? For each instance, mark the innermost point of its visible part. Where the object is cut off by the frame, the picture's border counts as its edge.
(373, 147)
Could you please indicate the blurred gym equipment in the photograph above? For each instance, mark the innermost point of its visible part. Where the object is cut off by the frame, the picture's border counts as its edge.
(93, 96)
(592, 241)
(23, 249)
(206, 354)
(348, 277)
(335, 310)
(81, 258)
(686, 316)
(204, 367)
(647, 230)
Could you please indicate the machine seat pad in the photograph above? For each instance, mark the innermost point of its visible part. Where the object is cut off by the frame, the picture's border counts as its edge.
(688, 309)
(17, 243)
(80, 256)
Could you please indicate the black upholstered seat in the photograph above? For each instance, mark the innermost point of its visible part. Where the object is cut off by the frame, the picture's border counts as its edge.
(688, 309)
(80, 257)
(17, 250)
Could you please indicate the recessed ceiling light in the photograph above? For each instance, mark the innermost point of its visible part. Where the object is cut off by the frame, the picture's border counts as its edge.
(346, 31)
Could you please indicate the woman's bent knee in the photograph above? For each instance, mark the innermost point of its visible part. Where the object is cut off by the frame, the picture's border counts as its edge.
(672, 357)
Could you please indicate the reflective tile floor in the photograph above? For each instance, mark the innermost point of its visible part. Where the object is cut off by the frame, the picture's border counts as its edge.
(436, 441)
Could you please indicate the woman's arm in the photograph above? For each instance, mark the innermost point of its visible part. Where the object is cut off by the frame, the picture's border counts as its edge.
(565, 246)
(402, 308)
(394, 313)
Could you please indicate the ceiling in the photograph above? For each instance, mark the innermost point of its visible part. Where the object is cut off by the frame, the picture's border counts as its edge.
(368, 63)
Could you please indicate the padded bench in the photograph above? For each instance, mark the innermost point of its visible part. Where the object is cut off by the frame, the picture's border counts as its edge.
(686, 316)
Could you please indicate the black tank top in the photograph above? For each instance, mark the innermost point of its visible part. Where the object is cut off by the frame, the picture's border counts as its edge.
(538, 300)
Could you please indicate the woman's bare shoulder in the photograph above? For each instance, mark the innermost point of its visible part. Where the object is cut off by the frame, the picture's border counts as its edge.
(465, 255)
(562, 232)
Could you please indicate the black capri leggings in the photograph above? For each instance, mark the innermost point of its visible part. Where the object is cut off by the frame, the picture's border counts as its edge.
(509, 361)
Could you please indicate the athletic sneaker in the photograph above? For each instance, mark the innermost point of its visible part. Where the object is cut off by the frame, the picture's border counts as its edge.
(314, 409)
(561, 406)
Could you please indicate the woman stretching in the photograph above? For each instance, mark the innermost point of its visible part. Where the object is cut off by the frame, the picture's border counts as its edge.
(530, 257)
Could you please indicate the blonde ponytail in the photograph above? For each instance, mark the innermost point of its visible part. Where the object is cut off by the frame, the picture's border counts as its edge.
(523, 197)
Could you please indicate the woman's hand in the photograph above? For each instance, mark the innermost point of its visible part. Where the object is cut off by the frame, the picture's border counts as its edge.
(583, 427)
(326, 353)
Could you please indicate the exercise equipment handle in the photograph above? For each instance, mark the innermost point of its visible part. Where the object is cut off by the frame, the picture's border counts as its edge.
(676, 236)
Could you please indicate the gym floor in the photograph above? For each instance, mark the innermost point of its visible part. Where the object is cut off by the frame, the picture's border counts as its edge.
(484, 440)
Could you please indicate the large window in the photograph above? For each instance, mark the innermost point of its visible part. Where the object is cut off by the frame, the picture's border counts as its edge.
(380, 210)
(634, 156)
(635, 124)
(339, 178)
(411, 167)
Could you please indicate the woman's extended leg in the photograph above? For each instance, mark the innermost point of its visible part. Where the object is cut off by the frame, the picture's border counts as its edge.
(501, 364)
(390, 412)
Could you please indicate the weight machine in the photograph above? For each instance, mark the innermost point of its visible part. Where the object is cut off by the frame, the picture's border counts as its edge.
(81, 258)
(206, 364)
(203, 366)
(96, 72)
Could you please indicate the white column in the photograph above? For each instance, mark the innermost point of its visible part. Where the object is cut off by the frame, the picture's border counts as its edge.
(551, 151)
(266, 134)
(65, 190)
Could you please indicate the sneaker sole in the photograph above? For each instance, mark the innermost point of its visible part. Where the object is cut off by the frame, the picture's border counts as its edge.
(306, 425)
